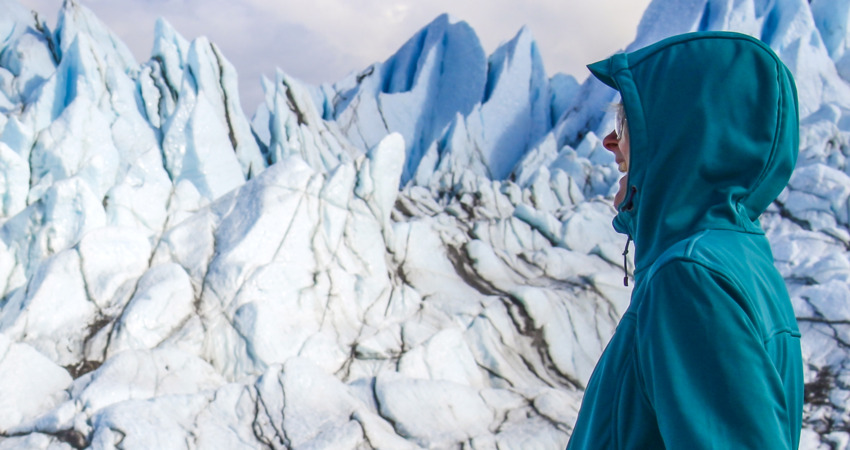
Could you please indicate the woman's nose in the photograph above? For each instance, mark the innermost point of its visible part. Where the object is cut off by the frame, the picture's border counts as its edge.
(611, 142)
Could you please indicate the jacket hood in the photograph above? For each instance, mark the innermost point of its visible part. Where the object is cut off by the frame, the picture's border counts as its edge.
(713, 133)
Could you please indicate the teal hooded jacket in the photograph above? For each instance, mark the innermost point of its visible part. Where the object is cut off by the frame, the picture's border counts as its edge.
(707, 354)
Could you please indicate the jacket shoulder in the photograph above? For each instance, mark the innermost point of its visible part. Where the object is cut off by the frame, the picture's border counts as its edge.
(741, 264)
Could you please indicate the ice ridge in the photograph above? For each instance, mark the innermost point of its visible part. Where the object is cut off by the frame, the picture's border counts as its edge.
(418, 255)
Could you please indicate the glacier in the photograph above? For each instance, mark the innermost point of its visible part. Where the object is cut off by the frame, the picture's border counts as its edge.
(419, 255)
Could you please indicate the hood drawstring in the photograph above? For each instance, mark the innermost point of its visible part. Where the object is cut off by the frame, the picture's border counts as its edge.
(630, 204)
(626, 261)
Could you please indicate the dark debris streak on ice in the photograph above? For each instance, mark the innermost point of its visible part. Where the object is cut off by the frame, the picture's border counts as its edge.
(361, 251)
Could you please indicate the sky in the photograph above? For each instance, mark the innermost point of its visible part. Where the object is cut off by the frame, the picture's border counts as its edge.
(321, 41)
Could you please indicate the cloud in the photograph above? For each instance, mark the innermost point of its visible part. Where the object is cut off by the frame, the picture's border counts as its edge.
(324, 40)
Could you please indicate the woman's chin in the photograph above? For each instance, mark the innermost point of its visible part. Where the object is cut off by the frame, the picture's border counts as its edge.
(621, 194)
(618, 199)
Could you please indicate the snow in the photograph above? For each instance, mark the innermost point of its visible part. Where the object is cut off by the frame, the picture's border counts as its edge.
(30, 383)
(196, 147)
(30, 315)
(445, 412)
(74, 22)
(418, 255)
(77, 144)
(14, 184)
(438, 73)
(28, 59)
(162, 302)
(516, 102)
(831, 19)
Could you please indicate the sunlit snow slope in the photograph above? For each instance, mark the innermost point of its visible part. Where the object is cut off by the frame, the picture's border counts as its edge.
(419, 255)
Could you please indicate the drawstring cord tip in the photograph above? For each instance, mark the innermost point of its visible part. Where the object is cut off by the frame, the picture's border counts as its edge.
(626, 261)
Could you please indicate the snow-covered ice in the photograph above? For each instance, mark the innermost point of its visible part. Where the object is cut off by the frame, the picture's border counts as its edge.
(418, 255)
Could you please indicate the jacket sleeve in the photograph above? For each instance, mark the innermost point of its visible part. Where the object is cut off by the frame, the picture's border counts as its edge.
(704, 366)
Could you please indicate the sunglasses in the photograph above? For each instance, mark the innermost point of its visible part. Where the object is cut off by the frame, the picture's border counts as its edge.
(620, 123)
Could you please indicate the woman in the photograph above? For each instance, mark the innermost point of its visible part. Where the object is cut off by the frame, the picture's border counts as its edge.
(708, 353)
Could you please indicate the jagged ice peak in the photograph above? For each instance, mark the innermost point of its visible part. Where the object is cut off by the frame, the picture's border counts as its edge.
(417, 255)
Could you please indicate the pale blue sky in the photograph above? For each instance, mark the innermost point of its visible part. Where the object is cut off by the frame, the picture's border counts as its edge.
(324, 40)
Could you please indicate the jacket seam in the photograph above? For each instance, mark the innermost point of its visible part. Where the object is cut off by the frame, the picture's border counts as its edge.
(697, 234)
(760, 44)
(774, 334)
(771, 334)
(738, 288)
(776, 131)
